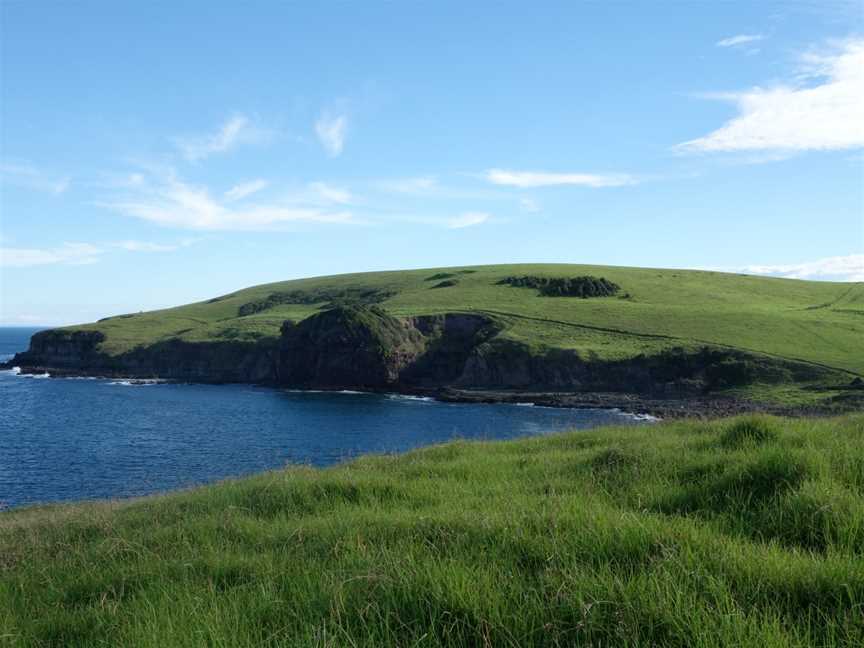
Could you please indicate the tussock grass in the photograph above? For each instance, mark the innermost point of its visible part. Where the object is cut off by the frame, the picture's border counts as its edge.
(743, 532)
(752, 430)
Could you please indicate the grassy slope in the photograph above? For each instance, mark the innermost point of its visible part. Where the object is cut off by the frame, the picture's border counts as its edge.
(818, 322)
(746, 532)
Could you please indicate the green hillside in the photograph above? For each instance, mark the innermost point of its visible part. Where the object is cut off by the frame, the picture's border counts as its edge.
(743, 532)
(816, 322)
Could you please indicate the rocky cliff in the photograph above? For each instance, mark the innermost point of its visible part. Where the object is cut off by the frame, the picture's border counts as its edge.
(365, 347)
(63, 352)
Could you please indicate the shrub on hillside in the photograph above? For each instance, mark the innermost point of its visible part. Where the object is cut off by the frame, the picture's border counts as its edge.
(447, 283)
(327, 296)
(583, 287)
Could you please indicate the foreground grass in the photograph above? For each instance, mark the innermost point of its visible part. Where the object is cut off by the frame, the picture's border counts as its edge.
(744, 532)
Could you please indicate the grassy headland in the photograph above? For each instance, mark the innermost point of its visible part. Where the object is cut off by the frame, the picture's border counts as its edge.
(820, 322)
(742, 532)
(786, 342)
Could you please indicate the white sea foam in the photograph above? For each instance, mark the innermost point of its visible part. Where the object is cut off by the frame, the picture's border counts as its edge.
(410, 397)
(324, 391)
(144, 382)
(16, 371)
(536, 406)
(642, 417)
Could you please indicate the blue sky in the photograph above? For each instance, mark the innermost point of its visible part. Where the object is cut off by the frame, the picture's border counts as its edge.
(154, 154)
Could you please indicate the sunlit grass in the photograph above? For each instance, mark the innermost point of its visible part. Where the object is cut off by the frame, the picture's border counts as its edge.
(744, 532)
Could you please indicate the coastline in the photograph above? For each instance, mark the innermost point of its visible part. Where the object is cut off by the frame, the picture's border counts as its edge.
(675, 407)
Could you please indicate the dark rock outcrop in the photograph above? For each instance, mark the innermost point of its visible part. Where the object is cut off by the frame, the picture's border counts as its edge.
(364, 346)
(347, 346)
(64, 352)
(61, 348)
(505, 364)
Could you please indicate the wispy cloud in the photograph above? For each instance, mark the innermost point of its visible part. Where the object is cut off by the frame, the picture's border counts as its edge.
(468, 219)
(330, 194)
(80, 253)
(171, 202)
(147, 246)
(68, 254)
(331, 129)
(794, 117)
(235, 131)
(26, 175)
(838, 268)
(530, 179)
(432, 187)
(240, 191)
(740, 39)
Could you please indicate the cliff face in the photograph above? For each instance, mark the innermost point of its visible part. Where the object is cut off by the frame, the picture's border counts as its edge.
(77, 352)
(503, 364)
(366, 347)
(63, 349)
(353, 346)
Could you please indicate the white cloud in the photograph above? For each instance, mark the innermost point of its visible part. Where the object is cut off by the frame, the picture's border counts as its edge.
(79, 253)
(237, 130)
(173, 203)
(244, 189)
(429, 186)
(529, 205)
(740, 39)
(330, 130)
(839, 268)
(147, 246)
(468, 219)
(330, 194)
(529, 179)
(825, 116)
(27, 175)
(68, 254)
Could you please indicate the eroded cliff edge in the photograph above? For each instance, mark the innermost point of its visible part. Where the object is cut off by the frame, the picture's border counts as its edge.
(365, 347)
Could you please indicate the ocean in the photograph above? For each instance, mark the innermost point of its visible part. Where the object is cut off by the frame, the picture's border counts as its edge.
(82, 438)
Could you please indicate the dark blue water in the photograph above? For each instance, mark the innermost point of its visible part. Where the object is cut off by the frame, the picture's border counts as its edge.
(68, 438)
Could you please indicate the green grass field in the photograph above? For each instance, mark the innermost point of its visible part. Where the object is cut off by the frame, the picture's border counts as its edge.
(742, 532)
(818, 322)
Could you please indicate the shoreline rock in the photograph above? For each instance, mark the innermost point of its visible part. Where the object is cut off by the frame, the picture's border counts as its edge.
(632, 403)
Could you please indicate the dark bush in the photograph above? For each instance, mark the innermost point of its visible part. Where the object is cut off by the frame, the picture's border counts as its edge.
(448, 275)
(583, 287)
(329, 297)
(447, 283)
